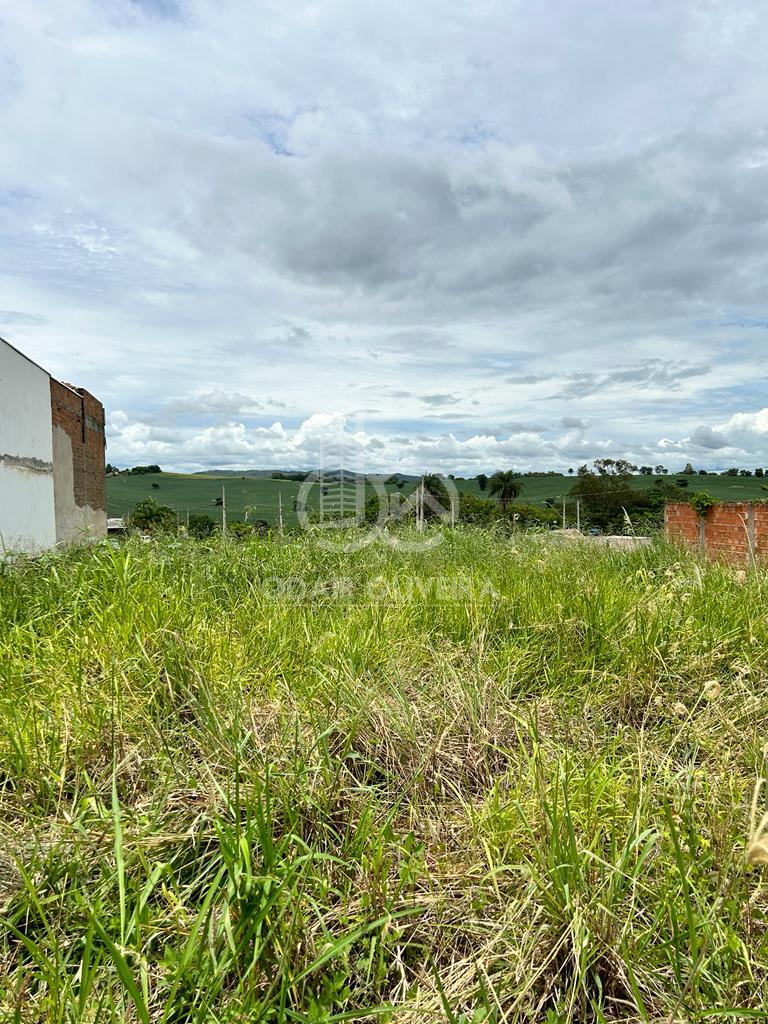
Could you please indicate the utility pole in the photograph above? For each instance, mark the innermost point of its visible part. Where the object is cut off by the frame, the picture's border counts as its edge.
(223, 511)
(280, 510)
(322, 476)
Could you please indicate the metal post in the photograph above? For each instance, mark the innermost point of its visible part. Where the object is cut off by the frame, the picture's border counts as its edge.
(280, 509)
(578, 515)
(563, 513)
(223, 511)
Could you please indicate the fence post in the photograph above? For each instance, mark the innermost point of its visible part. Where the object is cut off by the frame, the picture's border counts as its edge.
(751, 532)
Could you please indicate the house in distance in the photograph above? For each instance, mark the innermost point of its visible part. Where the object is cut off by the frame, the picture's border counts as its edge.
(52, 483)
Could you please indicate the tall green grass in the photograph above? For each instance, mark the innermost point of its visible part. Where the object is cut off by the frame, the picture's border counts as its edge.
(227, 797)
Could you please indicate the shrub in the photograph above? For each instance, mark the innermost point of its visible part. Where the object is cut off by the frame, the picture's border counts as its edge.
(147, 515)
(201, 526)
(702, 502)
(241, 531)
(485, 512)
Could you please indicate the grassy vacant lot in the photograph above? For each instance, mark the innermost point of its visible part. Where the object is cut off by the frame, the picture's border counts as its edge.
(197, 494)
(489, 782)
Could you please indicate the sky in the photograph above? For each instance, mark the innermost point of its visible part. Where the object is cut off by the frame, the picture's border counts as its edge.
(420, 235)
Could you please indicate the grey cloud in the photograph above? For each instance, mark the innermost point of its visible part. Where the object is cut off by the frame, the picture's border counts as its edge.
(297, 336)
(440, 399)
(13, 318)
(706, 437)
(222, 404)
(157, 8)
(517, 427)
(649, 373)
(574, 423)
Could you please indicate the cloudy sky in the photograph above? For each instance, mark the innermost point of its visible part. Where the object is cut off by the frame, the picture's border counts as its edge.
(443, 235)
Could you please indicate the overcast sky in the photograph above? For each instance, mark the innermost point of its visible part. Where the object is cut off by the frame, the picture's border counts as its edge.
(447, 235)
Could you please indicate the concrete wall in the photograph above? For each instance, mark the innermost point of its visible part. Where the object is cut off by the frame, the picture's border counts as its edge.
(27, 519)
(78, 464)
(735, 531)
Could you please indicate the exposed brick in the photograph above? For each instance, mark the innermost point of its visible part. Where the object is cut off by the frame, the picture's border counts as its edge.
(726, 529)
(81, 415)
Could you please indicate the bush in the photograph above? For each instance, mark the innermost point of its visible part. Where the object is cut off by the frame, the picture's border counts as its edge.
(702, 502)
(150, 517)
(202, 526)
(486, 512)
(241, 531)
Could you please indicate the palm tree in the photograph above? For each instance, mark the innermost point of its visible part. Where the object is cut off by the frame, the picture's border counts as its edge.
(438, 502)
(507, 484)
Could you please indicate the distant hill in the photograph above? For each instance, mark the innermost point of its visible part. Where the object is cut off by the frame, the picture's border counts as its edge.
(257, 474)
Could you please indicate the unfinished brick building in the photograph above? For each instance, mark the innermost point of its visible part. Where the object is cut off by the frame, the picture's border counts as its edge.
(79, 483)
(52, 483)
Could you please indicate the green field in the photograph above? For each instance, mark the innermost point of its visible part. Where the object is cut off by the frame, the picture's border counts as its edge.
(196, 495)
(496, 781)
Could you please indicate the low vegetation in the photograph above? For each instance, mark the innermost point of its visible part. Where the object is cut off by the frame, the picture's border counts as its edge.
(250, 497)
(497, 780)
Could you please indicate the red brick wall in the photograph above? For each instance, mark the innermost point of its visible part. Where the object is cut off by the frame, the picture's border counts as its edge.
(81, 415)
(681, 523)
(731, 530)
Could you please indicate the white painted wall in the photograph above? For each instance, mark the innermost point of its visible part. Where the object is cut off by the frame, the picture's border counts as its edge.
(27, 515)
(73, 523)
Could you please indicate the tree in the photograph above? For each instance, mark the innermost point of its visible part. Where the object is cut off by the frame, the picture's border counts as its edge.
(147, 515)
(689, 470)
(660, 470)
(436, 500)
(201, 526)
(507, 485)
(570, 471)
(760, 471)
(482, 481)
(605, 491)
(646, 470)
(615, 467)
(486, 512)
